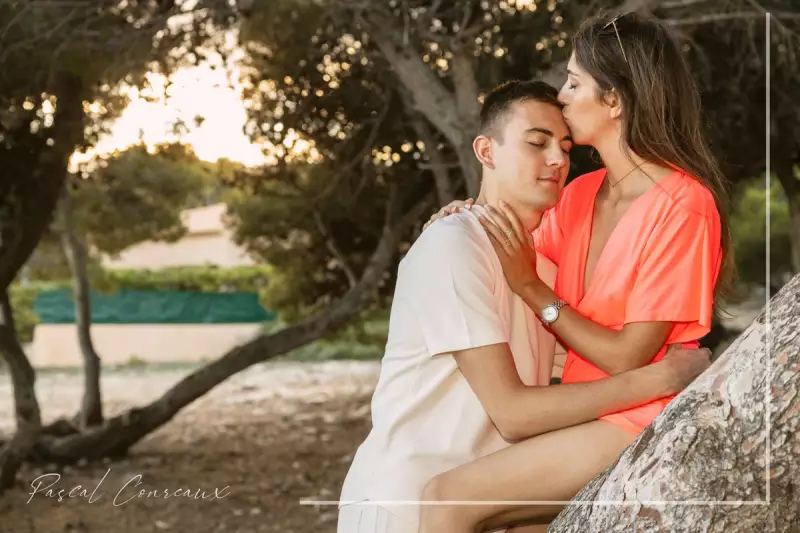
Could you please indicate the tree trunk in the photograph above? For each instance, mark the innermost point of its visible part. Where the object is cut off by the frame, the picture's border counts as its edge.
(465, 83)
(719, 440)
(439, 167)
(26, 209)
(26, 409)
(91, 412)
(430, 96)
(118, 434)
(784, 169)
(34, 199)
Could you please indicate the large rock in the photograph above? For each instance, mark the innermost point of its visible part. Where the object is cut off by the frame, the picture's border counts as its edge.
(723, 456)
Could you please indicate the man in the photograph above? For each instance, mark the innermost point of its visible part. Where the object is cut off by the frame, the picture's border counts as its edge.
(453, 308)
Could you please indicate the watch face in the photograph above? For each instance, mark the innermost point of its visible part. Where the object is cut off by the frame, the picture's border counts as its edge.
(549, 313)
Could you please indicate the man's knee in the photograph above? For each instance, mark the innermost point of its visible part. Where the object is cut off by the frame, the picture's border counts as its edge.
(437, 516)
(434, 515)
(435, 490)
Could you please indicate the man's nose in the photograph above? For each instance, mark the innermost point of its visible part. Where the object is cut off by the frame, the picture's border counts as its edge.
(557, 158)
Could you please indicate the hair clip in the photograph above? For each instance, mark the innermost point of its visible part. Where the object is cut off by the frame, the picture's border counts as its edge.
(616, 31)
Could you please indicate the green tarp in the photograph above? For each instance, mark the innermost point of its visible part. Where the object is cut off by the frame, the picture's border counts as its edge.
(154, 307)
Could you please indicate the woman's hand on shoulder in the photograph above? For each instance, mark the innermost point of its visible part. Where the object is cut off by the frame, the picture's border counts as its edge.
(453, 207)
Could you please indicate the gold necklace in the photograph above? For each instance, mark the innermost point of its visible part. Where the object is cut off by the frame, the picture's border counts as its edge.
(623, 177)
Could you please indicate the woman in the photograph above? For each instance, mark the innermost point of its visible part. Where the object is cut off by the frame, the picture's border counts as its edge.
(642, 248)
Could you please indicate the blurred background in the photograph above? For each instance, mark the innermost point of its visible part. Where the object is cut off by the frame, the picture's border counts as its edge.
(204, 203)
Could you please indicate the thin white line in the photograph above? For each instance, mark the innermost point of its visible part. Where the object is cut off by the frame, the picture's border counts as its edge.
(768, 331)
(733, 503)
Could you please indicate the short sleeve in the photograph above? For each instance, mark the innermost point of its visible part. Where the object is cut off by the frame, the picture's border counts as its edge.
(677, 274)
(548, 237)
(448, 280)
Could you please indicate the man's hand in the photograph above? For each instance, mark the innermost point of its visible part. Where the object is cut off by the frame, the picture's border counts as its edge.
(683, 365)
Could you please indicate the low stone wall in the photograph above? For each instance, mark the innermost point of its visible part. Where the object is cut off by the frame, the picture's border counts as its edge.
(56, 345)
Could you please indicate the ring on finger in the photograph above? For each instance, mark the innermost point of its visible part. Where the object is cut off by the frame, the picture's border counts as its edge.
(509, 233)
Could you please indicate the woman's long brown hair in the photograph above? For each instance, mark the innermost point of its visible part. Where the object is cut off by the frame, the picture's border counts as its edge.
(641, 61)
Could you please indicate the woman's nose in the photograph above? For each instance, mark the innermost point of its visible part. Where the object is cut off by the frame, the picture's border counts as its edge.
(562, 95)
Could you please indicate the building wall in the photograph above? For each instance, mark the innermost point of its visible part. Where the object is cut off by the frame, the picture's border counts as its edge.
(207, 242)
(56, 345)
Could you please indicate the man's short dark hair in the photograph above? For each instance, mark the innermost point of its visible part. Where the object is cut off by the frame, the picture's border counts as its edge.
(500, 99)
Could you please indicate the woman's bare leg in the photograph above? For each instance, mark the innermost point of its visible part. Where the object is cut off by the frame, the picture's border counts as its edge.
(550, 467)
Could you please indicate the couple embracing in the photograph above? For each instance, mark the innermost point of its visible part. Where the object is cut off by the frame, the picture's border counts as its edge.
(622, 268)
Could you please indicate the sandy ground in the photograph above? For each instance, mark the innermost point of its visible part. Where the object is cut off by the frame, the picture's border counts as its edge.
(255, 446)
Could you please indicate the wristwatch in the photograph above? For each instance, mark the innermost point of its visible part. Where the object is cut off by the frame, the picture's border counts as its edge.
(550, 312)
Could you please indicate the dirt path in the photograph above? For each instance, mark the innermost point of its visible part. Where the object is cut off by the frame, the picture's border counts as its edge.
(267, 438)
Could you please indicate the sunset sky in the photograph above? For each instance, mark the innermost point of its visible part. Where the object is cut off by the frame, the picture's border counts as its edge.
(211, 93)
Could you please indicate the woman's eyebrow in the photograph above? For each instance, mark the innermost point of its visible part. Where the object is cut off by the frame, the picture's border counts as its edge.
(572, 73)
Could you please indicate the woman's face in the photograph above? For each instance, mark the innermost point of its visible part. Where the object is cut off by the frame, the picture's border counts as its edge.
(588, 117)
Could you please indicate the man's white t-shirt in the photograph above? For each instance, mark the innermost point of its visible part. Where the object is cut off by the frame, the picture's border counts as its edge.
(451, 295)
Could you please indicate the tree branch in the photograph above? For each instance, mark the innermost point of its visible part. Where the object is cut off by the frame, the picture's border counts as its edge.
(430, 95)
(638, 6)
(438, 167)
(91, 412)
(333, 248)
(556, 74)
(466, 88)
(463, 29)
(26, 407)
(676, 4)
(735, 15)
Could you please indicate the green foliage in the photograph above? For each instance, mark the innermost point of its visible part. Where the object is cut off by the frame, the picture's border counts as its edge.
(297, 236)
(134, 361)
(135, 196)
(131, 196)
(364, 339)
(22, 298)
(48, 262)
(749, 232)
(195, 278)
(730, 64)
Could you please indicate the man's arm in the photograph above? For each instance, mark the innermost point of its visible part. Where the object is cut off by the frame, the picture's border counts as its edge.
(519, 411)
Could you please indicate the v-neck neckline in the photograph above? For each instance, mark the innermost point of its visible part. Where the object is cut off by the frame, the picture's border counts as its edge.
(588, 228)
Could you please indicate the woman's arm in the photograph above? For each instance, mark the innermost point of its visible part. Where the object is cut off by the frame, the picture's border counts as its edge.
(611, 351)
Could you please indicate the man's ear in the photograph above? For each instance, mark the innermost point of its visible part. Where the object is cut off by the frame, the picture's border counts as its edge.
(482, 146)
(611, 98)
